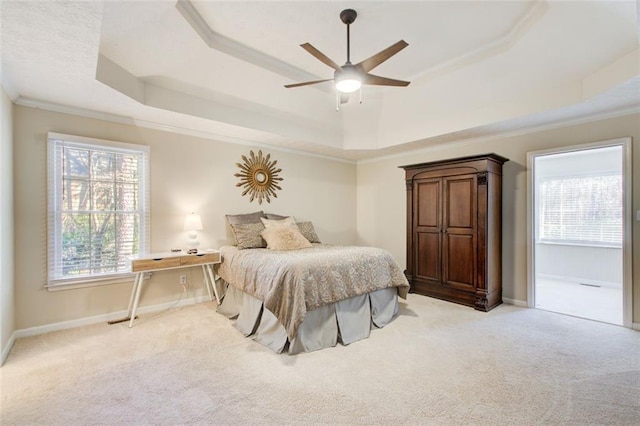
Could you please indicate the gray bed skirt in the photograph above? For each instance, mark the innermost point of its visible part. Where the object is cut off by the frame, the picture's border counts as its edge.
(346, 321)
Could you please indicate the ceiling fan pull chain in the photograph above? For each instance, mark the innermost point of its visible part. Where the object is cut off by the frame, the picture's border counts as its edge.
(337, 100)
(360, 94)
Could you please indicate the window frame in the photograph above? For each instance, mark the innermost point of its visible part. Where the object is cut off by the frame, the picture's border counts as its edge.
(54, 207)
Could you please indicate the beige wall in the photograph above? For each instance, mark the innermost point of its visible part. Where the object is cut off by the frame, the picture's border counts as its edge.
(348, 204)
(6, 222)
(381, 194)
(187, 174)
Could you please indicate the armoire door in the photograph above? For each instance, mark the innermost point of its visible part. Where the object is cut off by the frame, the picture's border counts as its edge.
(460, 198)
(427, 229)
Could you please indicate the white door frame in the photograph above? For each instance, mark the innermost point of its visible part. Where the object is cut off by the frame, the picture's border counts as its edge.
(627, 219)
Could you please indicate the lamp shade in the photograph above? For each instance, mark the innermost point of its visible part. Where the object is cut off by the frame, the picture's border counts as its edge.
(193, 222)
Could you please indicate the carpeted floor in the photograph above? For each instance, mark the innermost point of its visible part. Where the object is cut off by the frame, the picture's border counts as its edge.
(437, 363)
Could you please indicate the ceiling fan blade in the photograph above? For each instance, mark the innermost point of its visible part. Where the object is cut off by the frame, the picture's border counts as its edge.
(320, 56)
(344, 98)
(372, 62)
(306, 83)
(383, 81)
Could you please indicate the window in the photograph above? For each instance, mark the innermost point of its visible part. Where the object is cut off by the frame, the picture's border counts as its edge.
(98, 208)
(582, 210)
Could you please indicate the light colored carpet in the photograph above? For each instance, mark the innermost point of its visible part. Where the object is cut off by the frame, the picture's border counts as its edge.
(437, 363)
(571, 298)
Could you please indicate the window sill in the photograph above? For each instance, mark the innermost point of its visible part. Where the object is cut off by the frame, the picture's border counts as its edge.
(91, 282)
(575, 244)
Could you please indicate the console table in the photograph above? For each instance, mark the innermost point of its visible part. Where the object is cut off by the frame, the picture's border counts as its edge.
(164, 261)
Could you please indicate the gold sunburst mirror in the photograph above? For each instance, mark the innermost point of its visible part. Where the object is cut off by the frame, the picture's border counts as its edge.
(259, 177)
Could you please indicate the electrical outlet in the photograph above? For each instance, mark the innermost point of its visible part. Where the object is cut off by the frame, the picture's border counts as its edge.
(183, 279)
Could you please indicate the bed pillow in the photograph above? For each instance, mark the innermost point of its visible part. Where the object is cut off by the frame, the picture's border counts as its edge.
(269, 223)
(275, 216)
(285, 238)
(306, 229)
(235, 219)
(248, 235)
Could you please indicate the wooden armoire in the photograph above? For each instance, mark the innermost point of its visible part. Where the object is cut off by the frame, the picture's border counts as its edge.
(454, 229)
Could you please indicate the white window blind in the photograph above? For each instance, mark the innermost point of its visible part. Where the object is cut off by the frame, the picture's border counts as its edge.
(98, 207)
(582, 210)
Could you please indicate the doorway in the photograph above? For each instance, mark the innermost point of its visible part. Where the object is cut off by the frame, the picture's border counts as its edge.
(579, 231)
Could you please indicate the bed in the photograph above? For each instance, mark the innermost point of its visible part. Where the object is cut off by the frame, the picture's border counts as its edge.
(310, 298)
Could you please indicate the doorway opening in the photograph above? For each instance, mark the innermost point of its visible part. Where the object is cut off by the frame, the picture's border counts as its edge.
(579, 242)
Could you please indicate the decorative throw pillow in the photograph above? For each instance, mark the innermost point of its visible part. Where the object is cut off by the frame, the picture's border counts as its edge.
(275, 216)
(289, 221)
(248, 235)
(306, 229)
(285, 238)
(235, 219)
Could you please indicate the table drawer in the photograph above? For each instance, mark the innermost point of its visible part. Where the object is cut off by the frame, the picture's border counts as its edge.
(199, 259)
(151, 264)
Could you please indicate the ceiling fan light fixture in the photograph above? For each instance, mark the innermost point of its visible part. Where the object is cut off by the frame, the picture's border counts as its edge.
(348, 80)
(348, 85)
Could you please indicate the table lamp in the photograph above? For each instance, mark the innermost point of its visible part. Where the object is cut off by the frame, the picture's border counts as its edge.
(193, 223)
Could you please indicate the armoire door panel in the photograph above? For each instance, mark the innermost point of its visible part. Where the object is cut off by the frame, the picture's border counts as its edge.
(428, 256)
(428, 203)
(459, 261)
(460, 201)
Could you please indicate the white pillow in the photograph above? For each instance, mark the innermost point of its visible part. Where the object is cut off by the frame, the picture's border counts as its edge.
(284, 238)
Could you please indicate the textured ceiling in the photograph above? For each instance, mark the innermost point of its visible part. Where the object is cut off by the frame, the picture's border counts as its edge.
(477, 68)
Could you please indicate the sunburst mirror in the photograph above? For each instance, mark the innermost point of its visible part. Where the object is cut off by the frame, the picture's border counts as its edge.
(259, 177)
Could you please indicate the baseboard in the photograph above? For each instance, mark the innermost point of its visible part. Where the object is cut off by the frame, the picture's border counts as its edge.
(41, 329)
(7, 349)
(635, 326)
(582, 281)
(515, 302)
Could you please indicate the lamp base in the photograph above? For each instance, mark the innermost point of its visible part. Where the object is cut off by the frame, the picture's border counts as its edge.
(192, 241)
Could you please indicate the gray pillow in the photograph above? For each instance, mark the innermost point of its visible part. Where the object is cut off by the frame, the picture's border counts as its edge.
(306, 229)
(248, 235)
(272, 216)
(243, 219)
(235, 219)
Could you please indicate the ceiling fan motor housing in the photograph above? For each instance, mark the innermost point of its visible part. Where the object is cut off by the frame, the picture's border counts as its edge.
(348, 16)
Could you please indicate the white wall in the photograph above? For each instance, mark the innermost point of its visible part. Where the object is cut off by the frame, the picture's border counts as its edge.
(586, 264)
(7, 325)
(187, 174)
(382, 203)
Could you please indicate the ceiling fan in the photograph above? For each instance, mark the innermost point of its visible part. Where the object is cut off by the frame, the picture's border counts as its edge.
(349, 77)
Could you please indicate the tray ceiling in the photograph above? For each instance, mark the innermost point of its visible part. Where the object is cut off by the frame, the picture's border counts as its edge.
(477, 68)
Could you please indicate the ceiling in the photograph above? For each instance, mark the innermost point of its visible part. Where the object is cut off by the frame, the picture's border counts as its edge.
(217, 69)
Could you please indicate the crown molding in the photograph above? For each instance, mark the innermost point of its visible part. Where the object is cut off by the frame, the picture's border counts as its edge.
(238, 50)
(507, 134)
(114, 118)
(83, 112)
(500, 44)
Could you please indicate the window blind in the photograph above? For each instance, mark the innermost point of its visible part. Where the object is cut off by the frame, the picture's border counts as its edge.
(98, 207)
(586, 210)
